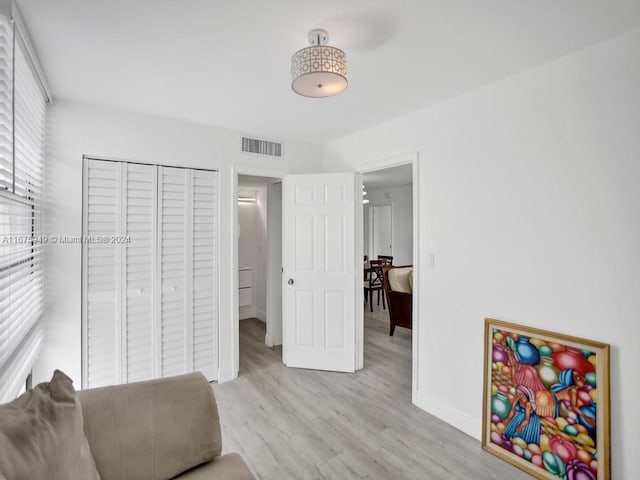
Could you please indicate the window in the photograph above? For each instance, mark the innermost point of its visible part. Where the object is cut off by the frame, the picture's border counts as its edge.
(23, 101)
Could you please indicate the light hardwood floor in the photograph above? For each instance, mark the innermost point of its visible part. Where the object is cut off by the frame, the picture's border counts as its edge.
(304, 424)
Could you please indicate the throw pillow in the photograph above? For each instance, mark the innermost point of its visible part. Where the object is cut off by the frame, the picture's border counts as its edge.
(42, 436)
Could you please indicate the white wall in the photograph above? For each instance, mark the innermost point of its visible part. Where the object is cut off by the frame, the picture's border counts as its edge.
(247, 213)
(76, 129)
(252, 247)
(260, 274)
(529, 195)
(366, 231)
(247, 223)
(274, 264)
(401, 201)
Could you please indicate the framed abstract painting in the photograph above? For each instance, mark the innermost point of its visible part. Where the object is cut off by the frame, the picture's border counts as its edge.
(546, 402)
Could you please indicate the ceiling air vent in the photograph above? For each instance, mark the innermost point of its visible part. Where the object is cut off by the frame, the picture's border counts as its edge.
(261, 147)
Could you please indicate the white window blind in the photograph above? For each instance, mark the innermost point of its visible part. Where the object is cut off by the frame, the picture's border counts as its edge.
(6, 102)
(22, 139)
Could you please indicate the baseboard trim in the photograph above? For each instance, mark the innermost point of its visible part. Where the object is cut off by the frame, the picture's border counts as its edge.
(261, 315)
(226, 375)
(454, 417)
(247, 311)
(272, 340)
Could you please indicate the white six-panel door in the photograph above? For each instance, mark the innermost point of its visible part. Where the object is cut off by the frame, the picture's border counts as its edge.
(319, 271)
(150, 303)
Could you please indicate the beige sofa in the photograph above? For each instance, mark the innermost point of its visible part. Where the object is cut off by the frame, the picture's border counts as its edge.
(157, 430)
(154, 430)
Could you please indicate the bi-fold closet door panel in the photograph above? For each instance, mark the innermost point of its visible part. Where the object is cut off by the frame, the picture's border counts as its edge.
(204, 268)
(173, 212)
(187, 229)
(150, 303)
(119, 272)
(139, 198)
(101, 280)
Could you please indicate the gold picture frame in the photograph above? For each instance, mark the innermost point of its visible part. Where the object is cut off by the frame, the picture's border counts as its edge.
(545, 405)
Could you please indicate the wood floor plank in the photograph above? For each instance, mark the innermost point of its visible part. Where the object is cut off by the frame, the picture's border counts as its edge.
(300, 424)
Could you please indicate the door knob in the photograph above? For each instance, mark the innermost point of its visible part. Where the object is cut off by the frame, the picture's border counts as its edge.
(290, 281)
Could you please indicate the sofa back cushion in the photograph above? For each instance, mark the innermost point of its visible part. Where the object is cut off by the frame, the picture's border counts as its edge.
(42, 437)
(400, 279)
(152, 430)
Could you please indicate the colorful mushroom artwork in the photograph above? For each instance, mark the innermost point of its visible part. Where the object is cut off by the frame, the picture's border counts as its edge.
(542, 398)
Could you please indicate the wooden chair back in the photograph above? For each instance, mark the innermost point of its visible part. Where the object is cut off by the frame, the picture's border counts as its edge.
(375, 273)
(388, 258)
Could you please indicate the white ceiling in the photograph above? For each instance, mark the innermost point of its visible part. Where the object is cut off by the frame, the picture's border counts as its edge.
(389, 177)
(226, 63)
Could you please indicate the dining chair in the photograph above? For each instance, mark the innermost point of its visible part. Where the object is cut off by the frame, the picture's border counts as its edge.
(388, 258)
(373, 282)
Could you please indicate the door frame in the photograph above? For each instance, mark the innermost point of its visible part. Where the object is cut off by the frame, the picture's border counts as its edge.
(237, 170)
(410, 158)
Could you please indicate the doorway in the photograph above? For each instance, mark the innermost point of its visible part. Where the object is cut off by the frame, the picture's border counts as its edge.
(259, 247)
(389, 230)
(339, 192)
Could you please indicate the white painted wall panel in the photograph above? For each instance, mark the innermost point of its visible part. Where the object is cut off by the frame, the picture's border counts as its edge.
(529, 201)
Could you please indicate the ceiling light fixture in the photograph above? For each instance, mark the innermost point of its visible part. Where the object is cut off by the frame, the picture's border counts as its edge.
(319, 70)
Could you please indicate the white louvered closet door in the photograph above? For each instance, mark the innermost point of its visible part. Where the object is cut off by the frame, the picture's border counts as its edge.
(188, 247)
(139, 266)
(150, 303)
(119, 259)
(205, 297)
(173, 223)
(102, 265)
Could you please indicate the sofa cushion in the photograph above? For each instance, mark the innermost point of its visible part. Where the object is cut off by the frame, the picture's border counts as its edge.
(227, 467)
(399, 279)
(152, 430)
(42, 437)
